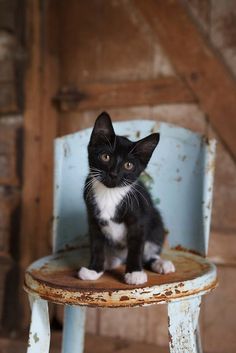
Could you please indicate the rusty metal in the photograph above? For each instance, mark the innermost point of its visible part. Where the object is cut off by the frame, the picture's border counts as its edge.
(54, 278)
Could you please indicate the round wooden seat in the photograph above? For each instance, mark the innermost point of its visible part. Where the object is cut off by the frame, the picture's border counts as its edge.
(54, 278)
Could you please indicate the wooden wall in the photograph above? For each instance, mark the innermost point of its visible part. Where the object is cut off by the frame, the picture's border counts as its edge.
(143, 53)
(84, 57)
(11, 103)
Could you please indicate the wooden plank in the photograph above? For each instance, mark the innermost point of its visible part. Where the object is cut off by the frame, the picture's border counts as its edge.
(223, 212)
(218, 319)
(106, 41)
(223, 31)
(172, 113)
(124, 94)
(8, 203)
(8, 156)
(222, 249)
(49, 122)
(8, 98)
(195, 62)
(40, 129)
(202, 11)
(31, 167)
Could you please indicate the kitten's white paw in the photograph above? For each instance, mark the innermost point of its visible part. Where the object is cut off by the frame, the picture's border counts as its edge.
(136, 277)
(88, 275)
(163, 266)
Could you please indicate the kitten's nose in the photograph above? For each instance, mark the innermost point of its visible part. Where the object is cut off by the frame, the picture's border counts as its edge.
(113, 174)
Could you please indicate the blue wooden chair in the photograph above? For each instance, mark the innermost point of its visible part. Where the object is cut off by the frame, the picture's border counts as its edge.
(180, 178)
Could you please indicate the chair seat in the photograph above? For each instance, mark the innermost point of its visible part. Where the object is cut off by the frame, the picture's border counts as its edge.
(54, 278)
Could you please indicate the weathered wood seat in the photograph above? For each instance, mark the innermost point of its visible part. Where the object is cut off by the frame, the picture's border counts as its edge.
(180, 178)
(55, 279)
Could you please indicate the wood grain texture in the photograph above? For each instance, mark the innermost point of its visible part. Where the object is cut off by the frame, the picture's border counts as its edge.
(222, 249)
(39, 128)
(219, 314)
(178, 114)
(8, 98)
(196, 63)
(31, 168)
(8, 156)
(124, 94)
(223, 31)
(107, 41)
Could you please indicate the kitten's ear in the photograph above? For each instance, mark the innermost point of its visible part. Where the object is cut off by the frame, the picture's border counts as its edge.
(102, 127)
(144, 148)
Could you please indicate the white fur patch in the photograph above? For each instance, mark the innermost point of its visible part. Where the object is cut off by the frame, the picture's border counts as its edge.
(163, 266)
(108, 198)
(114, 257)
(112, 262)
(88, 275)
(136, 277)
(116, 232)
(150, 251)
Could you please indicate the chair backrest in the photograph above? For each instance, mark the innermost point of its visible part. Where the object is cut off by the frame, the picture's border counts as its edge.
(179, 177)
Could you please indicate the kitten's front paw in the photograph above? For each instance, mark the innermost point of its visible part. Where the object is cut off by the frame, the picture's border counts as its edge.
(136, 277)
(163, 266)
(88, 275)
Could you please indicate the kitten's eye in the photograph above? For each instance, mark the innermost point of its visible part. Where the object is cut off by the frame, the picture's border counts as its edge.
(128, 165)
(105, 157)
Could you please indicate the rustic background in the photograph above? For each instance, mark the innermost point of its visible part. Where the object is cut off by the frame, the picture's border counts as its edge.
(61, 63)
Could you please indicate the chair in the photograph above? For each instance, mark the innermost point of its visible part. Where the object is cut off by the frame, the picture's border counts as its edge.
(180, 178)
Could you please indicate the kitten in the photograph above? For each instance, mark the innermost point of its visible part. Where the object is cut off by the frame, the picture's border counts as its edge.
(124, 226)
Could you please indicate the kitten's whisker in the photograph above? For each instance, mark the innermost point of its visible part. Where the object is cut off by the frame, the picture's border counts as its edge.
(144, 198)
(134, 187)
(135, 197)
(129, 198)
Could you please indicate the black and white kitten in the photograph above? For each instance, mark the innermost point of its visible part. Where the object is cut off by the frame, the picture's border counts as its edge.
(124, 226)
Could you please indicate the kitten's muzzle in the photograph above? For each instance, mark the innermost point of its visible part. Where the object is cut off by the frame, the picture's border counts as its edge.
(113, 175)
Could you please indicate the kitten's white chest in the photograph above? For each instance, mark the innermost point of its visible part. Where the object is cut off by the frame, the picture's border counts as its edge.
(107, 200)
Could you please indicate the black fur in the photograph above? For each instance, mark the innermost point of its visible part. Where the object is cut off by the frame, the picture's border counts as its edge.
(142, 219)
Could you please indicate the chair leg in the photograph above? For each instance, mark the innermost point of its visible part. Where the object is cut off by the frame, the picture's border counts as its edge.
(198, 340)
(39, 336)
(73, 329)
(183, 324)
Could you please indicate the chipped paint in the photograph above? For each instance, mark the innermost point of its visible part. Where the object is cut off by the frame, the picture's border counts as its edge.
(178, 178)
(39, 337)
(157, 201)
(182, 157)
(182, 325)
(55, 279)
(162, 170)
(35, 337)
(66, 149)
(155, 128)
(147, 180)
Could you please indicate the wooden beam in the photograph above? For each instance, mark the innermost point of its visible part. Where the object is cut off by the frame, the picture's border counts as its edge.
(195, 62)
(163, 90)
(40, 128)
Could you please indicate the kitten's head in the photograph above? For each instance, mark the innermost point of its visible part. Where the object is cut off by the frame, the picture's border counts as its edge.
(115, 160)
